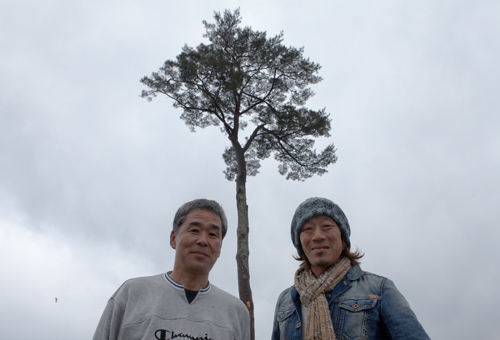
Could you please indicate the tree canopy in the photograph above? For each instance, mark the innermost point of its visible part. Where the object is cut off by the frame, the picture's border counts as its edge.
(244, 78)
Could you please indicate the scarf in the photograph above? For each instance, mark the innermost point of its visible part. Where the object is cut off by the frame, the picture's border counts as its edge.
(313, 291)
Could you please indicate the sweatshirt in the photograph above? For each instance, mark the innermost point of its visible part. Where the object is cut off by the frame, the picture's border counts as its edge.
(156, 308)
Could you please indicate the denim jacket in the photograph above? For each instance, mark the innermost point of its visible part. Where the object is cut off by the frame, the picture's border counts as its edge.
(362, 306)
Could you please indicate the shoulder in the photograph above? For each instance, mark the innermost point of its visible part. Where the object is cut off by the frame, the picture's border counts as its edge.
(137, 284)
(285, 299)
(368, 281)
(356, 273)
(144, 280)
(286, 293)
(226, 298)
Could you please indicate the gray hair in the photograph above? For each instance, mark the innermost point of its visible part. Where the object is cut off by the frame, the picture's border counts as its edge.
(202, 204)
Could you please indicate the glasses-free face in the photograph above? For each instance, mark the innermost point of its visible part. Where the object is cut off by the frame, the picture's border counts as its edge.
(197, 243)
(321, 240)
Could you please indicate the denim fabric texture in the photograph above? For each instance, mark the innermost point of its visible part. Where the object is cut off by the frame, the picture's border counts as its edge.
(362, 306)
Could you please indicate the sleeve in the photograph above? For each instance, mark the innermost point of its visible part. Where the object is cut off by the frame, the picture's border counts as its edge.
(245, 325)
(240, 312)
(110, 323)
(398, 319)
(276, 329)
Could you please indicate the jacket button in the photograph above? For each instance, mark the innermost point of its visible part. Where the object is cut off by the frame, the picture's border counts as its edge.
(298, 325)
(356, 306)
(282, 316)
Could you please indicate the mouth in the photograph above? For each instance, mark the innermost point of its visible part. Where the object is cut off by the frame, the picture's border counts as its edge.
(319, 248)
(200, 253)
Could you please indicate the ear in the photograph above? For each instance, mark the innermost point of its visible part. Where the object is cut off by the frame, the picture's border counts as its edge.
(172, 239)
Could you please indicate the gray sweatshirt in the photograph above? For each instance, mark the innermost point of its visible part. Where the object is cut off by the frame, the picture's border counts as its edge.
(156, 308)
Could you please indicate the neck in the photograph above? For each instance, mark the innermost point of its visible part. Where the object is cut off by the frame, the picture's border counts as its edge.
(190, 281)
(317, 272)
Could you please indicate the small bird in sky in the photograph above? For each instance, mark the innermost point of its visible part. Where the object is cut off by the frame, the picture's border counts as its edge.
(56, 300)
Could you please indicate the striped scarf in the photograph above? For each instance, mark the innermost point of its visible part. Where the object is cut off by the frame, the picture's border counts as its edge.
(313, 291)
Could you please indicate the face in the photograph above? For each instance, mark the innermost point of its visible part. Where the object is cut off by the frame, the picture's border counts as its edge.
(321, 240)
(197, 243)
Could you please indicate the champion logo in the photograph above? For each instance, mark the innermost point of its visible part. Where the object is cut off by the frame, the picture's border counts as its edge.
(163, 334)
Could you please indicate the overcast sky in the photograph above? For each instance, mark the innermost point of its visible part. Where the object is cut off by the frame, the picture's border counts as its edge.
(91, 174)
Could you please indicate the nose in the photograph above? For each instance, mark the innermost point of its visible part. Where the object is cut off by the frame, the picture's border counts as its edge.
(202, 239)
(318, 234)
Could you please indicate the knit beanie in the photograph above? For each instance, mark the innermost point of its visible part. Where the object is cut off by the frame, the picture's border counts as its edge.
(318, 206)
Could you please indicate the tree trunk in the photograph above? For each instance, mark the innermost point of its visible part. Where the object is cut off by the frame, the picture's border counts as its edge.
(242, 233)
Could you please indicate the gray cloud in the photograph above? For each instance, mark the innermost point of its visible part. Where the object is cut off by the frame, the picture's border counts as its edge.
(91, 174)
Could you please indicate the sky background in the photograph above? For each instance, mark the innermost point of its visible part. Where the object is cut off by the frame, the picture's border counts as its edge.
(91, 174)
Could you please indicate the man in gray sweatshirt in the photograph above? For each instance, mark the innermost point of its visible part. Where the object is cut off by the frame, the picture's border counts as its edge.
(182, 303)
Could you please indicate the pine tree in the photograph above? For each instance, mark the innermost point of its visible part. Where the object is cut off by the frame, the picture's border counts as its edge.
(243, 79)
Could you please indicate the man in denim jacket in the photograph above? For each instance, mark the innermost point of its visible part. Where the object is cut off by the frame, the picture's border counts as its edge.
(332, 297)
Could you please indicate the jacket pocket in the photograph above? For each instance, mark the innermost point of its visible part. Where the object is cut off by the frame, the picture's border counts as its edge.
(284, 314)
(285, 323)
(355, 315)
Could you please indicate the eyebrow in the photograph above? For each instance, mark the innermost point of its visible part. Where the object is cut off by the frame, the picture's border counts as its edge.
(197, 223)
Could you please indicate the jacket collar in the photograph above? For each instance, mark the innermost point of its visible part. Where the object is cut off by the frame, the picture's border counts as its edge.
(354, 273)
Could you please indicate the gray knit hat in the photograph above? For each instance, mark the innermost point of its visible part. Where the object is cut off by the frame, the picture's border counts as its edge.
(318, 206)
